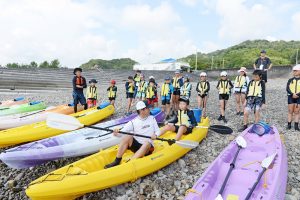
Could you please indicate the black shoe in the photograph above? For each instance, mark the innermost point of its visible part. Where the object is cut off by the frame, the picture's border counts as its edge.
(167, 117)
(296, 126)
(115, 163)
(224, 119)
(243, 128)
(238, 113)
(289, 126)
(220, 118)
(241, 113)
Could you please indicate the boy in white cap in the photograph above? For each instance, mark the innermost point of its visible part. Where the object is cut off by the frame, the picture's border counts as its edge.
(177, 83)
(202, 89)
(224, 86)
(293, 92)
(143, 124)
(240, 88)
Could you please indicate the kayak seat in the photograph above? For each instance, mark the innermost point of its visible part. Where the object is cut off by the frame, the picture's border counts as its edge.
(34, 103)
(155, 111)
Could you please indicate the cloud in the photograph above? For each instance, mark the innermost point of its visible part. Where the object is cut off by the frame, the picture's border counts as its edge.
(209, 46)
(296, 23)
(190, 3)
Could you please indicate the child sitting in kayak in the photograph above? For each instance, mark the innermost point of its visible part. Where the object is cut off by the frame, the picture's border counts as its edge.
(240, 89)
(91, 94)
(141, 90)
(255, 96)
(224, 86)
(112, 92)
(143, 124)
(293, 92)
(166, 92)
(79, 83)
(184, 122)
(151, 93)
(130, 88)
(185, 90)
(202, 89)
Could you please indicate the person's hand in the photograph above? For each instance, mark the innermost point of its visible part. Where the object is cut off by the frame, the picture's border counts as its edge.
(78, 86)
(245, 103)
(116, 132)
(153, 137)
(266, 70)
(263, 106)
(295, 96)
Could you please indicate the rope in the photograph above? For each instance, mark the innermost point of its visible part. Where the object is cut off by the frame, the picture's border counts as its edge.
(265, 185)
(191, 190)
(251, 163)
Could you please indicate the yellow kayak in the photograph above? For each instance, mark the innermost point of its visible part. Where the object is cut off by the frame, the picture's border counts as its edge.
(40, 130)
(87, 175)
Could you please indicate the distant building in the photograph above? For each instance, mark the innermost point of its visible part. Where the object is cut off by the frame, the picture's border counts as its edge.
(169, 64)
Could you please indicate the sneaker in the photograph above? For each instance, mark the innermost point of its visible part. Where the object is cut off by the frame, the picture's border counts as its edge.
(220, 118)
(241, 113)
(289, 126)
(224, 119)
(243, 128)
(296, 127)
(113, 164)
(238, 113)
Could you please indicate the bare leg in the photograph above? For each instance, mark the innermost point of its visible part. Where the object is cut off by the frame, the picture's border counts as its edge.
(257, 115)
(296, 113)
(142, 151)
(243, 98)
(166, 128)
(204, 105)
(199, 101)
(125, 143)
(112, 102)
(246, 116)
(181, 131)
(168, 109)
(222, 107)
(238, 101)
(290, 112)
(129, 104)
(163, 108)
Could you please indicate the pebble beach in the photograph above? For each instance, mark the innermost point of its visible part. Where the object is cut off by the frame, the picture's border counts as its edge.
(173, 181)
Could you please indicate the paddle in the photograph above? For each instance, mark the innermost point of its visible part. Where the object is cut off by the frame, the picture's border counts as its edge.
(67, 122)
(265, 165)
(33, 113)
(241, 142)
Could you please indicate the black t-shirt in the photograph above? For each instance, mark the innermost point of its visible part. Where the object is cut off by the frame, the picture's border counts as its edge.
(262, 63)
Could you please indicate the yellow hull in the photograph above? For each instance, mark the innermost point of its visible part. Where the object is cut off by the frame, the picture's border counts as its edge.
(40, 130)
(87, 175)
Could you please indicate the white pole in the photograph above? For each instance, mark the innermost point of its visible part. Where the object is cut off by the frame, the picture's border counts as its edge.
(223, 63)
(297, 57)
(212, 62)
(196, 60)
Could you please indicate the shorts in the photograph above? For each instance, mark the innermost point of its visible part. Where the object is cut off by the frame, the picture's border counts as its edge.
(152, 101)
(292, 100)
(176, 92)
(202, 95)
(129, 95)
(92, 102)
(111, 98)
(189, 129)
(223, 97)
(264, 76)
(135, 146)
(165, 100)
(240, 91)
(79, 98)
(140, 95)
(254, 103)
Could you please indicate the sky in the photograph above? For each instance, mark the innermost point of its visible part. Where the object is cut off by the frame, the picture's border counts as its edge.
(75, 31)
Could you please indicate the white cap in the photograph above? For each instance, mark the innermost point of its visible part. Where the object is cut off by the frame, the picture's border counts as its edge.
(223, 73)
(296, 67)
(203, 74)
(140, 105)
(243, 69)
(151, 77)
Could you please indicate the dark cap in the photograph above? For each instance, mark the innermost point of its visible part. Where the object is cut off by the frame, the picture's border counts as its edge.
(93, 81)
(76, 70)
(130, 77)
(263, 51)
(184, 99)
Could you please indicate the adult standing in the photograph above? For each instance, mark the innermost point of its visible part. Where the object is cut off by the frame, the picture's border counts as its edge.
(263, 63)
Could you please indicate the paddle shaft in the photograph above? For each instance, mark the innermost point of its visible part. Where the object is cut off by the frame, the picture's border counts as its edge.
(133, 134)
(255, 184)
(32, 113)
(230, 170)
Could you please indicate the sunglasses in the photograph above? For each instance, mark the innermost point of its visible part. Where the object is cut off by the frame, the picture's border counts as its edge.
(202, 76)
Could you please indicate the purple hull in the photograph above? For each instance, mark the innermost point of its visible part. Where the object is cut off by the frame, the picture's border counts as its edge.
(272, 186)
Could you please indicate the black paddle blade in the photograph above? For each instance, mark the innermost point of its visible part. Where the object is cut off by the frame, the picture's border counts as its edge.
(221, 129)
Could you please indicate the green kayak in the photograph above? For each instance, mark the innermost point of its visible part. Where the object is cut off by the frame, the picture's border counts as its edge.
(27, 107)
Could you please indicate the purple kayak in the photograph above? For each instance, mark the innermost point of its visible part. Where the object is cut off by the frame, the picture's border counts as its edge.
(248, 165)
(80, 142)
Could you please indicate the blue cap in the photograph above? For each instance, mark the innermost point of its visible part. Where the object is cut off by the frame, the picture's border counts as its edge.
(167, 78)
(263, 51)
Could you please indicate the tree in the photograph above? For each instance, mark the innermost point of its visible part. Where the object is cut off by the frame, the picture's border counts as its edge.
(54, 64)
(33, 65)
(12, 65)
(44, 64)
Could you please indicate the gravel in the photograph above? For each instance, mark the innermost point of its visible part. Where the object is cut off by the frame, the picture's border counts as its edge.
(172, 181)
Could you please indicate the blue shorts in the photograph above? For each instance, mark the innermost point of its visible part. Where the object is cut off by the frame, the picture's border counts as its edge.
(165, 100)
(79, 98)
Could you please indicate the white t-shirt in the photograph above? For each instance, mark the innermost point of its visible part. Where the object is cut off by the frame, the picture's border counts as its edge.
(140, 126)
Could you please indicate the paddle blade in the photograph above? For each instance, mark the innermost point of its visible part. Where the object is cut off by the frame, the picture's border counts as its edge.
(241, 142)
(63, 122)
(219, 197)
(188, 144)
(268, 161)
(221, 129)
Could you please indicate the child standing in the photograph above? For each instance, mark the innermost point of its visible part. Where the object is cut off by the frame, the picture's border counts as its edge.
(203, 88)
(79, 83)
(255, 96)
(92, 93)
(240, 88)
(177, 83)
(151, 93)
(141, 90)
(293, 92)
(112, 92)
(130, 88)
(166, 92)
(137, 80)
(185, 90)
(224, 86)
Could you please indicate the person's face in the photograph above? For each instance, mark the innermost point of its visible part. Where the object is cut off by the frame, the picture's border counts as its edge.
(142, 78)
(223, 77)
(167, 81)
(182, 105)
(78, 73)
(296, 72)
(263, 55)
(130, 80)
(242, 73)
(93, 84)
(177, 74)
(151, 84)
(202, 78)
(256, 77)
(144, 112)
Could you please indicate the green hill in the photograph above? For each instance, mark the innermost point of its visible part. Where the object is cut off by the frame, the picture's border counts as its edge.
(281, 53)
(123, 63)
